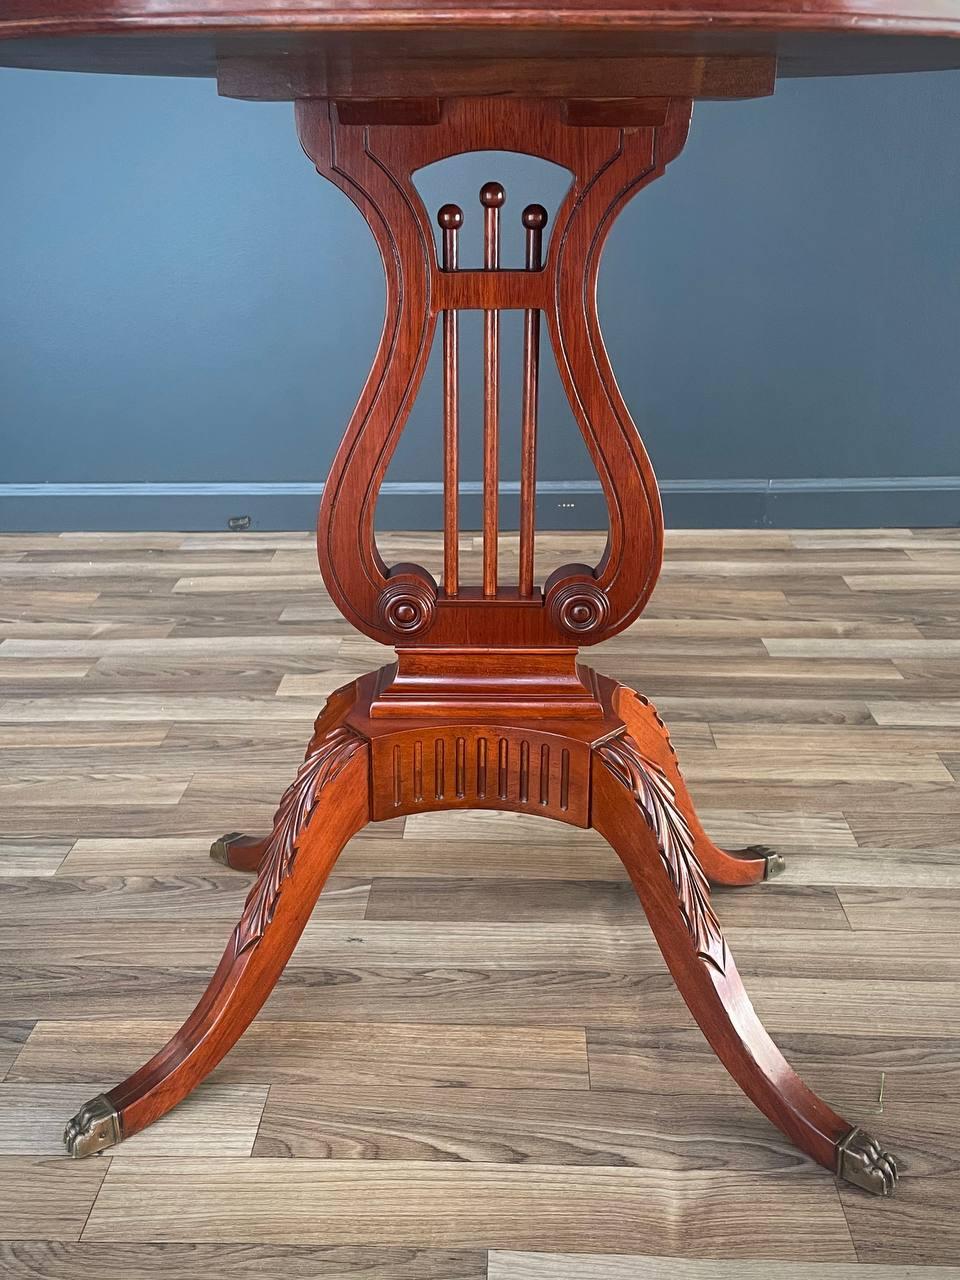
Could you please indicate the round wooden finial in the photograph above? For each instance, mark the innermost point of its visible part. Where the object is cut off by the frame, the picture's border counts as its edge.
(492, 195)
(534, 217)
(450, 217)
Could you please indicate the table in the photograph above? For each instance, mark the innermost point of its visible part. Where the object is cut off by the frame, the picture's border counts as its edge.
(487, 705)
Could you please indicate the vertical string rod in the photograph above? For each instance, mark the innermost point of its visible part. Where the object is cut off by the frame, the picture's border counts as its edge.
(450, 219)
(534, 220)
(492, 198)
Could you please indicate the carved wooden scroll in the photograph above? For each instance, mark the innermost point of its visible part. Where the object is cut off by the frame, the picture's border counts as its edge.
(373, 162)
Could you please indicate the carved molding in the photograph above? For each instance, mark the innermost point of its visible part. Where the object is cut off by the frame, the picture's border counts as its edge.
(657, 802)
(325, 760)
(480, 766)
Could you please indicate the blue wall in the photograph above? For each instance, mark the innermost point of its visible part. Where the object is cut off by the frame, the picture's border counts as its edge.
(783, 306)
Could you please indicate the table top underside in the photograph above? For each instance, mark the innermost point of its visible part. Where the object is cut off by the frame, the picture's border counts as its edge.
(192, 37)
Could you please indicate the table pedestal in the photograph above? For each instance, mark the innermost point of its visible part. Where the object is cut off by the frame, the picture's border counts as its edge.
(487, 705)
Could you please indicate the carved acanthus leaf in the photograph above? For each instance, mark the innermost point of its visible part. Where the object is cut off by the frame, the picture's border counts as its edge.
(657, 801)
(325, 759)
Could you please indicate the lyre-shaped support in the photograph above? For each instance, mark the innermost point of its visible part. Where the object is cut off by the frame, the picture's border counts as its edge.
(489, 707)
(373, 163)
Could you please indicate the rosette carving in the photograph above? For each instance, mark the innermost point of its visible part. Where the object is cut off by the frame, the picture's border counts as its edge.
(578, 606)
(325, 759)
(407, 605)
(656, 800)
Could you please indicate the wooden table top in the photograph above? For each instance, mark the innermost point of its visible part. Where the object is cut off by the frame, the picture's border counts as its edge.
(190, 37)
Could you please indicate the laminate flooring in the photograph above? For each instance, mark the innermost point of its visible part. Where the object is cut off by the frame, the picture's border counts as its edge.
(476, 1065)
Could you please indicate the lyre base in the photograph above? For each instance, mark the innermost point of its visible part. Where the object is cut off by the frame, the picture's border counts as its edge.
(487, 706)
(617, 774)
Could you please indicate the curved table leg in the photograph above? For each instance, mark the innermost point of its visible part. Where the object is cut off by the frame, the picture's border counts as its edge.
(722, 866)
(635, 809)
(324, 806)
(239, 852)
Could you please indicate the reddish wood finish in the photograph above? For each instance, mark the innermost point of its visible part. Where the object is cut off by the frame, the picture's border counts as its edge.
(491, 197)
(34, 17)
(634, 809)
(374, 165)
(534, 220)
(374, 68)
(634, 712)
(650, 733)
(372, 47)
(240, 852)
(324, 806)
(450, 218)
(605, 773)
(487, 706)
(533, 759)
(437, 683)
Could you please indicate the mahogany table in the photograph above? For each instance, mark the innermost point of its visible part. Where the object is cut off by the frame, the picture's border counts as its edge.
(487, 705)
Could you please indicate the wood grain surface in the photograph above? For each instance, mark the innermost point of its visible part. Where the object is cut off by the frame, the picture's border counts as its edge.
(384, 48)
(504, 1205)
(476, 1046)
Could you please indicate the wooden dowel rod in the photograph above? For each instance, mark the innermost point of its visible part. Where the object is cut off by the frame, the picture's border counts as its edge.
(450, 219)
(491, 197)
(534, 219)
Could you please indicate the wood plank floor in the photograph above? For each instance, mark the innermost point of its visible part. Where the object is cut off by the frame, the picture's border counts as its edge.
(476, 1065)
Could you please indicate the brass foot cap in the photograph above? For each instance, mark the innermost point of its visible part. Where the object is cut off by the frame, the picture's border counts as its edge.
(774, 863)
(220, 849)
(95, 1127)
(862, 1161)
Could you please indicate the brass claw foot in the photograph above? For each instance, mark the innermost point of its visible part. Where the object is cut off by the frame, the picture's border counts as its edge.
(95, 1127)
(775, 862)
(219, 848)
(861, 1160)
